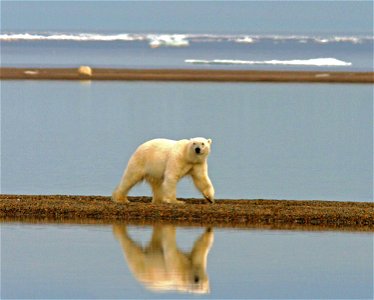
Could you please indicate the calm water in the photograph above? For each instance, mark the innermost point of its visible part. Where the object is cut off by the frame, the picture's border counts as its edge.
(118, 262)
(278, 141)
(273, 52)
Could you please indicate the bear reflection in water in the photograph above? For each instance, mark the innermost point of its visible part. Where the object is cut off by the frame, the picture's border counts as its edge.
(161, 266)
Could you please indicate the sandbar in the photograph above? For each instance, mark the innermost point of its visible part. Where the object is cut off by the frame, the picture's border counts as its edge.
(283, 214)
(194, 75)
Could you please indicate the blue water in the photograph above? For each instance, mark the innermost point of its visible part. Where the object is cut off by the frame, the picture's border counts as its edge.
(248, 52)
(277, 141)
(43, 261)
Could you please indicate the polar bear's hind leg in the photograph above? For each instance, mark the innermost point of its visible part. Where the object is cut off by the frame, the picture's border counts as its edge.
(129, 179)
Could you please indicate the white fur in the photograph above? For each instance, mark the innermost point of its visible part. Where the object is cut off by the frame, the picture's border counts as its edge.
(161, 265)
(85, 70)
(162, 163)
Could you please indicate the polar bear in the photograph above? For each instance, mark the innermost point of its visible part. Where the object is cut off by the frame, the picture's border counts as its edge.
(162, 163)
(161, 265)
(85, 70)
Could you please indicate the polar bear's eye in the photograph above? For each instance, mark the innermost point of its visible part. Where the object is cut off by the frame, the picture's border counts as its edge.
(202, 144)
(194, 144)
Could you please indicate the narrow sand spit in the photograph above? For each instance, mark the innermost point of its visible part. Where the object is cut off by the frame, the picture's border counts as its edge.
(186, 75)
(329, 215)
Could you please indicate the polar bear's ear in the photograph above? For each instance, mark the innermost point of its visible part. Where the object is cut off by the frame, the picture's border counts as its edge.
(209, 141)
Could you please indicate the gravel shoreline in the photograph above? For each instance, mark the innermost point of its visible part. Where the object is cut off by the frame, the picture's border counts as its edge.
(184, 75)
(287, 214)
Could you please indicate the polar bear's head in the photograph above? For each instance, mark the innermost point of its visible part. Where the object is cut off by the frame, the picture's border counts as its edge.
(199, 147)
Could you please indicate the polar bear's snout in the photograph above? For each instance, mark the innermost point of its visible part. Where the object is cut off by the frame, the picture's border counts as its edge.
(197, 150)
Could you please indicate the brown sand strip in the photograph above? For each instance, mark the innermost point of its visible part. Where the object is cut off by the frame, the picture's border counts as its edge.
(331, 215)
(186, 75)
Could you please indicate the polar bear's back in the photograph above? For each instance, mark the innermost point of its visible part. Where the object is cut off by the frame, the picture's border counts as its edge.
(159, 144)
(153, 155)
(156, 147)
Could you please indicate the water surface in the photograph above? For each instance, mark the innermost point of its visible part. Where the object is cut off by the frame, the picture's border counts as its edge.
(278, 141)
(70, 261)
(206, 51)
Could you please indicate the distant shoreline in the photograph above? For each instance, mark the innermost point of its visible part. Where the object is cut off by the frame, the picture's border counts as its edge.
(275, 214)
(187, 75)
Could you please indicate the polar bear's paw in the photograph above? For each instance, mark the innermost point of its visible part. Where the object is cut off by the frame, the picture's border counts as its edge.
(209, 193)
(119, 198)
(174, 201)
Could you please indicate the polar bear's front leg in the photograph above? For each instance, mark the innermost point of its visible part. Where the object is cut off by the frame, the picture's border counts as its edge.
(169, 188)
(202, 182)
(157, 192)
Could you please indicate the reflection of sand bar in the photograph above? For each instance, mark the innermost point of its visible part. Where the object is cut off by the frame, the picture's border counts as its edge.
(188, 75)
(161, 266)
(285, 214)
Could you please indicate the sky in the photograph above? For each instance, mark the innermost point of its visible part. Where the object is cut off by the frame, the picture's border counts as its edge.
(264, 17)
